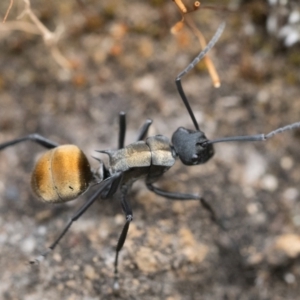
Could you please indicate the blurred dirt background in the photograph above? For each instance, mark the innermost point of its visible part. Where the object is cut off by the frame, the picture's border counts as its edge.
(125, 58)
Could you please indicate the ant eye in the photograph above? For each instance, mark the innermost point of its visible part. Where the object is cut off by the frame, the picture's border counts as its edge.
(202, 145)
(195, 158)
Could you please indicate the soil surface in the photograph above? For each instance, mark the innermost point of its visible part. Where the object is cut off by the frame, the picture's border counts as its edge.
(124, 58)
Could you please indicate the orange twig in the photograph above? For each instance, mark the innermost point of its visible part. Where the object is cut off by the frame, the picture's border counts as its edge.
(186, 18)
(8, 10)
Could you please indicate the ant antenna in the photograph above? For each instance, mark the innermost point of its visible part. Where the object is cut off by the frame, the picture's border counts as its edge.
(256, 137)
(190, 67)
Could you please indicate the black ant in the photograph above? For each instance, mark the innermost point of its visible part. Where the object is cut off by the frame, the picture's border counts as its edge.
(63, 173)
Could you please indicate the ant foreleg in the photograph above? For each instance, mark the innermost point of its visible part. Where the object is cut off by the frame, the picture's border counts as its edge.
(187, 197)
(35, 137)
(172, 195)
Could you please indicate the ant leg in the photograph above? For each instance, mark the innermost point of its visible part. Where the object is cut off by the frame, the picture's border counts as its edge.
(129, 217)
(107, 186)
(172, 195)
(187, 197)
(122, 129)
(144, 130)
(32, 137)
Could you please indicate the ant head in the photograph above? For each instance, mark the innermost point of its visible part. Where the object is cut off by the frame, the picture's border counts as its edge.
(191, 146)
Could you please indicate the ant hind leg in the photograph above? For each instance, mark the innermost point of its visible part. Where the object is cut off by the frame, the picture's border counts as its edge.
(35, 137)
(129, 217)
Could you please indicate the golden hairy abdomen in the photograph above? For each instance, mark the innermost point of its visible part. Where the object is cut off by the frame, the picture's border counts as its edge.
(61, 174)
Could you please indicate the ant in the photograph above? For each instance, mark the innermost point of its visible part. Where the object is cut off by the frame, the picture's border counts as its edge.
(63, 173)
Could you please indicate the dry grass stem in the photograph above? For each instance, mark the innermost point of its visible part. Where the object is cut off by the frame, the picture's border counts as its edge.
(50, 38)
